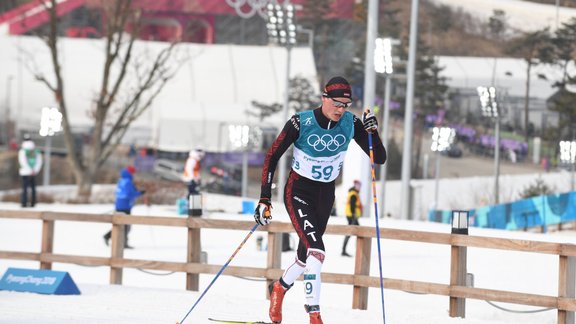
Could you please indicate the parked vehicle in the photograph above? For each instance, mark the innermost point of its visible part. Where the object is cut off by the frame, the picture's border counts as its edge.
(169, 170)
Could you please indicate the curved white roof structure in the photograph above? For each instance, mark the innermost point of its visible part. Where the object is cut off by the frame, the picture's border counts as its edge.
(215, 86)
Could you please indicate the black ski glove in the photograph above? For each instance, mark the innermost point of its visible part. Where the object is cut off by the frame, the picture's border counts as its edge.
(262, 214)
(369, 121)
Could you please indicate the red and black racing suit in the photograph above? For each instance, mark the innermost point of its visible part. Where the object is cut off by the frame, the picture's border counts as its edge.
(307, 201)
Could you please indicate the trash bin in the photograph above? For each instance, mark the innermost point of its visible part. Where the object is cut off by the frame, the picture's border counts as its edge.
(195, 205)
(182, 206)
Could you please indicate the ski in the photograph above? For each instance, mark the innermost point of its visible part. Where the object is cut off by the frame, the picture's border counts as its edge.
(237, 322)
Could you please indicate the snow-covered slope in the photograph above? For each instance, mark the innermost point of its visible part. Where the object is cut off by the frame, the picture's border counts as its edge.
(157, 297)
(522, 15)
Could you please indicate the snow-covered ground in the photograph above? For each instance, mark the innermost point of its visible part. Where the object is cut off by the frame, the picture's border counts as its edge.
(158, 297)
(524, 15)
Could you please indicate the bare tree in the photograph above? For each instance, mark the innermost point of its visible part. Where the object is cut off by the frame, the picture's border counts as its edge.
(120, 100)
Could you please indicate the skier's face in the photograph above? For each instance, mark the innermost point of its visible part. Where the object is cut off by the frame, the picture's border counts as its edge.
(334, 108)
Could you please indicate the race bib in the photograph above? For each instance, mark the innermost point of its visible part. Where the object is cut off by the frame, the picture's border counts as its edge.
(323, 169)
(319, 153)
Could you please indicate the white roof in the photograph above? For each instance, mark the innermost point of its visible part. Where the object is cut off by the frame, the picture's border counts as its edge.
(523, 15)
(507, 73)
(215, 84)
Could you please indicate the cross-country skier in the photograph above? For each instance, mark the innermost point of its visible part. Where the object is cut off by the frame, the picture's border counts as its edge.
(321, 138)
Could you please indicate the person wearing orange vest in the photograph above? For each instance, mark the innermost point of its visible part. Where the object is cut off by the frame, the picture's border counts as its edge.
(191, 173)
(353, 210)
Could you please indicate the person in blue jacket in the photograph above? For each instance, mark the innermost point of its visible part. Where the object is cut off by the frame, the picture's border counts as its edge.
(126, 194)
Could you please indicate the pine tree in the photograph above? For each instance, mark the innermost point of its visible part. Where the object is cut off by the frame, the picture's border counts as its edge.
(302, 97)
(533, 47)
(564, 54)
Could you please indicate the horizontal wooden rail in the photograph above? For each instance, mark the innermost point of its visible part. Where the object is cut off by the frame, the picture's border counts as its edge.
(564, 302)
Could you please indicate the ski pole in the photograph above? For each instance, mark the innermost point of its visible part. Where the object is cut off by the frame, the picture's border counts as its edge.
(219, 272)
(377, 226)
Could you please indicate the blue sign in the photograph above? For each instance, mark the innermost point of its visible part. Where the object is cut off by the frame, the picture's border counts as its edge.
(521, 214)
(39, 281)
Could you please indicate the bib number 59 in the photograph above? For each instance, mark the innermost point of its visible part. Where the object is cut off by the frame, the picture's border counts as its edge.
(319, 172)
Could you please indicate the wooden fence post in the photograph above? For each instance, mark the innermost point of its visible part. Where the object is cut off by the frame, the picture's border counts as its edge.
(194, 253)
(458, 278)
(566, 286)
(362, 267)
(47, 242)
(274, 260)
(117, 253)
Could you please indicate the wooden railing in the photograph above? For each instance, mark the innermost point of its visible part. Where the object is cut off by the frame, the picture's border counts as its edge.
(456, 290)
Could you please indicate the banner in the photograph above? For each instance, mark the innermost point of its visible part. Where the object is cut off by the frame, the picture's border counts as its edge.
(39, 281)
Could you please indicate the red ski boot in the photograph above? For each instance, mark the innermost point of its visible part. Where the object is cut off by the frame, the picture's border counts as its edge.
(277, 292)
(315, 318)
(314, 312)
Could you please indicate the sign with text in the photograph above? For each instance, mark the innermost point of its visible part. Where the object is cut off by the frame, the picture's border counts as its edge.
(39, 281)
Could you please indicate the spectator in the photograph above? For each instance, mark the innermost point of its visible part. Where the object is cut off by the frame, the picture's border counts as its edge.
(353, 210)
(132, 151)
(126, 194)
(30, 161)
(191, 173)
(13, 144)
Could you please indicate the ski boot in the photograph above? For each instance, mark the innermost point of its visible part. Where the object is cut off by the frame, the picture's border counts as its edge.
(314, 312)
(277, 292)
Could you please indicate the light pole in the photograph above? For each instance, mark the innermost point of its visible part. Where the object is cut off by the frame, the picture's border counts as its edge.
(568, 155)
(7, 120)
(409, 109)
(490, 109)
(383, 64)
(50, 124)
(442, 138)
(557, 12)
(282, 30)
(362, 162)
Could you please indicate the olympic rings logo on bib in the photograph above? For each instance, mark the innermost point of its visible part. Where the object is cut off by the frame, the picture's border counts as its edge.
(326, 142)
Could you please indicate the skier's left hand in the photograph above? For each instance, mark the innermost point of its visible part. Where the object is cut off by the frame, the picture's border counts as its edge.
(369, 121)
(262, 214)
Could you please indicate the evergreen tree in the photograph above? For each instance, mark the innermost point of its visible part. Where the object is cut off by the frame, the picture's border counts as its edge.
(430, 94)
(335, 40)
(497, 24)
(302, 97)
(533, 47)
(564, 54)
(538, 188)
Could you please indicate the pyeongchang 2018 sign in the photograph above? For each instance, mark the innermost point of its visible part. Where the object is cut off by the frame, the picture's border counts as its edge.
(39, 281)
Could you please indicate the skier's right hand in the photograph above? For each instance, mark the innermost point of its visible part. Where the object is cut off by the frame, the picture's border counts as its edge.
(369, 121)
(262, 214)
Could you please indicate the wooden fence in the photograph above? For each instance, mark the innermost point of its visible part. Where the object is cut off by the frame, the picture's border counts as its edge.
(456, 290)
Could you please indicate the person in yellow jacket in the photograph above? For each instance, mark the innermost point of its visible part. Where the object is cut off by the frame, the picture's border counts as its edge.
(353, 210)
